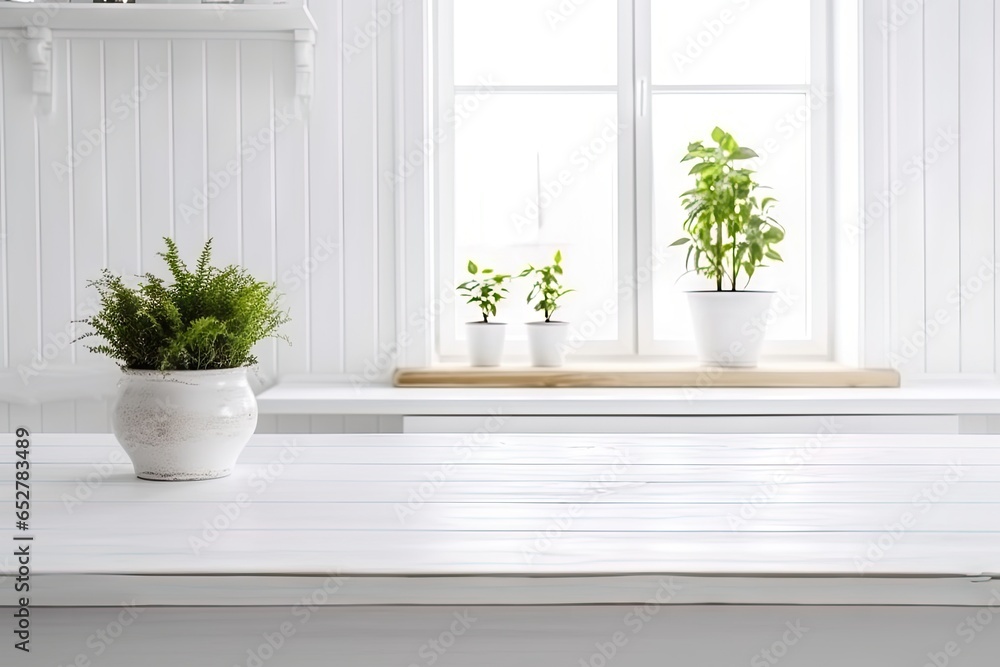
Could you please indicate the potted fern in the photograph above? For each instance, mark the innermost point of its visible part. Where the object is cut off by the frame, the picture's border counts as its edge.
(486, 289)
(730, 235)
(547, 339)
(184, 408)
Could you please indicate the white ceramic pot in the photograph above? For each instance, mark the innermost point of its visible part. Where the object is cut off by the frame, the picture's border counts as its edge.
(547, 343)
(485, 342)
(729, 327)
(184, 425)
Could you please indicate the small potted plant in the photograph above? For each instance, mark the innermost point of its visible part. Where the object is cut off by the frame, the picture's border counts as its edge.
(547, 339)
(184, 408)
(730, 235)
(486, 289)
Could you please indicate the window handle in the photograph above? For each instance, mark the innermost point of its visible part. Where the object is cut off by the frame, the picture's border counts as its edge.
(642, 97)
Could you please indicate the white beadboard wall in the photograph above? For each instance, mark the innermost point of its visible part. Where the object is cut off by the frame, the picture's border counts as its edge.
(177, 110)
(942, 179)
(306, 209)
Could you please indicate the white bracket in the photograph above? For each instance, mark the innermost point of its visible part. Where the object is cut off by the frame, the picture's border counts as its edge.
(305, 65)
(40, 53)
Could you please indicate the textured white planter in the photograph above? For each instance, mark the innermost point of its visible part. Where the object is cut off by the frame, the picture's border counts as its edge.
(485, 342)
(729, 327)
(184, 425)
(547, 343)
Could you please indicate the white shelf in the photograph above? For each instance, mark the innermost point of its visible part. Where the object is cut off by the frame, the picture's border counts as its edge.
(159, 17)
(36, 24)
(954, 397)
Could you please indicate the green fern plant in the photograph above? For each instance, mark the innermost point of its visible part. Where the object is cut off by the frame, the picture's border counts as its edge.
(208, 319)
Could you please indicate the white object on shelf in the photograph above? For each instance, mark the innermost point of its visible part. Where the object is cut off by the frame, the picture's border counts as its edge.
(486, 341)
(547, 343)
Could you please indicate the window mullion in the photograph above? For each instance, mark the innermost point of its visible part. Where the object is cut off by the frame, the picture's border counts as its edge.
(645, 261)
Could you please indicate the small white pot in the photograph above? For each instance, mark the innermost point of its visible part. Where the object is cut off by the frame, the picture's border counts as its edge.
(547, 343)
(729, 327)
(184, 425)
(485, 342)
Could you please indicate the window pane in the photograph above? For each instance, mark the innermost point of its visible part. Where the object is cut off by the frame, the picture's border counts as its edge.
(730, 41)
(536, 173)
(535, 42)
(772, 125)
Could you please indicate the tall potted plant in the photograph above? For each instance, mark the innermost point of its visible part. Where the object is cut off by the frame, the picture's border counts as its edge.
(730, 235)
(547, 339)
(184, 408)
(486, 289)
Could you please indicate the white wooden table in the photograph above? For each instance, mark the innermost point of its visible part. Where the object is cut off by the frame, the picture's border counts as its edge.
(333, 535)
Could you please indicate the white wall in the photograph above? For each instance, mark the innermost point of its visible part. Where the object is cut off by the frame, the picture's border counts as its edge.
(168, 141)
(315, 186)
(939, 183)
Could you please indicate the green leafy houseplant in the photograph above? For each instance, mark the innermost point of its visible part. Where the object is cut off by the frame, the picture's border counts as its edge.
(729, 230)
(208, 319)
(547, 291)
(485, 289)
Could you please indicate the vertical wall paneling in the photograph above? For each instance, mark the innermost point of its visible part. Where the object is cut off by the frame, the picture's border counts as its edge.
(121, 103)
(223, 132)
(975, 297)
(907, 182)
(257, 164)
(153, 83)
(4, 290)
(56, 237)
(295, 256)
(22, 200)
(875, 268)
(190, 180)
(996, 200)
(359, 188)
(326, 298)
(385, 205)
(941, 183)
(91, 130)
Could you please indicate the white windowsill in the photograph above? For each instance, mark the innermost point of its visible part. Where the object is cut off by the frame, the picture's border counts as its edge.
(299, 397)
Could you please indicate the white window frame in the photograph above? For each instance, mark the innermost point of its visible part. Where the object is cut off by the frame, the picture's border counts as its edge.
(635, 163)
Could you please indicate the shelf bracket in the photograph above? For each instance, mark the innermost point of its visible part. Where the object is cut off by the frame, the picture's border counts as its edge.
(40, 52)
(305, 66)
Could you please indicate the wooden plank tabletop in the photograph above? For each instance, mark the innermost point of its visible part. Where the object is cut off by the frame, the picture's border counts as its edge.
(525, 519)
